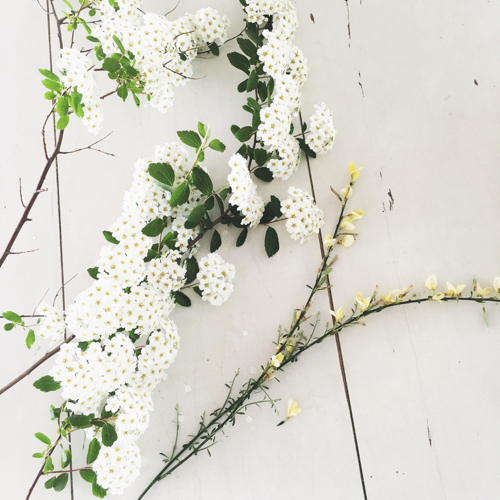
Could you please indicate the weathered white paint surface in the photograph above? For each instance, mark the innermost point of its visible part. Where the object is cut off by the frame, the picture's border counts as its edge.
(415, 95)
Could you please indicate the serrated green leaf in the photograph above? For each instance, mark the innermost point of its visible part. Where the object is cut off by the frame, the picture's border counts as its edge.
(248, 47)
(48, 74)
(109, 435)
(93, 272)
(190, 138)
(153, 228)
(162, 172)
(93, 451)
(30, 339)
(110, 64)
(202, 181)
(264, 174)
(182, 299)
(180, 194)
(202, 129)
(43, 438)
(192, 269)
(242, 237)
(239, 61)
(47, 384)
(216, 145)
(87, 475)
(215, 242)
(253, 81)
(12, 316)
(214, 49)
(109, 237)
(276, 206)
(271, 242)
(62, 123)
(244, 134)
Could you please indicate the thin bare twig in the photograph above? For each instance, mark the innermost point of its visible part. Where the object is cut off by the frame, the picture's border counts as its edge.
(55, 298)
(90, 147)
(36, 365)
(180, 74)
(26, 251)
(21, 193)
(170, 11)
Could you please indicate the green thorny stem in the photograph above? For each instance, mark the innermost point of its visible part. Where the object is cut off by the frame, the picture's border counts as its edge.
(291, 348)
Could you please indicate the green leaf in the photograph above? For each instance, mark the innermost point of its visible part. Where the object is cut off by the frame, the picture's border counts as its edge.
(93, 38)
(202, 129)
(216, 145)
(270, 89)
(197, 214)
(50, 482)
(79, 420)
(253, 81)
(202, 181)
(49, 96)
(12, 316)
(242, 86)
(214, 48)
(256, 121)
(119, 44)
(98, 491)
(242, 237)
(93, 272)
(153, 228)
(271, 243)
(109, 237)
(48, 74)
(254, 37)
(61, 481)
(62, 106)
(209, 203)
(162, 172)
(276, 206)
(253, 104)
(87, 475)
(244, 134)
(110, 64)
(52, 85)
(62, 123)
(30, 339)
(75, 101)
(43, 438)
(180, 194)
(93, 451)
(234, 129)
(65, 458)
(190, 138)
(109, 435)
(49, 466)
(85, 25)
(260, 156)
(47, 384)
(215, 242)
(304, 126)
(223, 194)
(136, 100)
(8, 326)
(37, 455)
(307, 150)
(182, 299)
(122, 92)
(198, 291)
(192, 269)
(264, 174)
(262, 90)
(239, 61)
(69, 5)
(248, 48)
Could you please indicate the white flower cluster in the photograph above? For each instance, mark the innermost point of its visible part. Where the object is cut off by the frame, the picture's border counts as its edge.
(275, 127)
(304, 218)
(216, 279)
(77, 73)
(322, 133)
(165, 274)
(53, 325)
(288, 161)
(244, 192)
(163, 49)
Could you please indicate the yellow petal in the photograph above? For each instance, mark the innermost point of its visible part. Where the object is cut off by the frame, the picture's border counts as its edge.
(293, 408)
(431, 282)
(347, 240)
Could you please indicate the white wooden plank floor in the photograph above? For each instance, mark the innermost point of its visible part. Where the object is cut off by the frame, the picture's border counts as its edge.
(415, 91)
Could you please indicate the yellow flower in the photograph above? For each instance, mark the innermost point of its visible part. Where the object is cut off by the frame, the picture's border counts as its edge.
(329, 241)
(482, 292)
(431, 282)
(276, 360)
(354, 172)
(347, 240)
(361, 302)
(496, 284)
(339, 315)
(293, 409)
(345, 224)
(438, 296)
(454, 291)
(347, 191)
(387, 299)
(401, 293)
